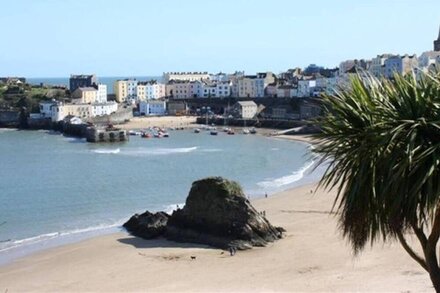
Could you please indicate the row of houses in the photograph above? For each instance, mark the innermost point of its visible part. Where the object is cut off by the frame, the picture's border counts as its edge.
(88, 100)
(194, 85)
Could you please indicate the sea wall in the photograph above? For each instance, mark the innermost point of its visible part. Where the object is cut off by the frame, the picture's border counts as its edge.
(121, 116)
(9, 118)
(266, 123)
(94, 134)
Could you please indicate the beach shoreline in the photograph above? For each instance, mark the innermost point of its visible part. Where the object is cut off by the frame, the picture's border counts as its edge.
(311, 257)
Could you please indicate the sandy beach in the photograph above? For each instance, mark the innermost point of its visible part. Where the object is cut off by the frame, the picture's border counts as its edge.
(159, 121)
(312, 257)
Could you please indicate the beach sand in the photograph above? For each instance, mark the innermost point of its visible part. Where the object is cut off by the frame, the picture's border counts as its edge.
(312, 257)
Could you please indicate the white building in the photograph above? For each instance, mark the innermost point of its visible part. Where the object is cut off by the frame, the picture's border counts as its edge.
(101, 96)
(61, 110)
(377, 67)
(219, 77)
(400, 64)
(85, 94)
(428, 59)
(46, 108)
(131, 90)
(152, 107)
(185, 76)
(247, 109)
(125, 90)
(106, 108)
(223, 89)
(306, 87)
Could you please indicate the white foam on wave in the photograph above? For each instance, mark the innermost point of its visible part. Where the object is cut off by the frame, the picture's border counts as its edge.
(211, 150)
(7, 129)
(274, 149)
(169, 209)
(288, 179)
(107, 151)
(156, 151)
(11, 243)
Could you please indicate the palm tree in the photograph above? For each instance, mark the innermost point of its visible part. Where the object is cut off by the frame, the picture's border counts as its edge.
(381, 140)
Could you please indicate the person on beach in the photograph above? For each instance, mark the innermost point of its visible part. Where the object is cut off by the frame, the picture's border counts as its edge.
(265, 194)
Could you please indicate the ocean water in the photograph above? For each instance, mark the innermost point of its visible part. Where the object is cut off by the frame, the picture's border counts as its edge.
(109, 80)
(57, 189)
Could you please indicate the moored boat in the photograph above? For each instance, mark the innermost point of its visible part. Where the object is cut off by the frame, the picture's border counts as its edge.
(245, 131)
(197, 130)
(213, 132)
(231, 131)
(253, 130)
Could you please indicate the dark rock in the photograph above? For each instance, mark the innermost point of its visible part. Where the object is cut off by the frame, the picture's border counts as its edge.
(147, 225)
(218, 213)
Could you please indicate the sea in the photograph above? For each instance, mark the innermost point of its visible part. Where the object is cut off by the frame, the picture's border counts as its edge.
(109, 80)
(57, 189)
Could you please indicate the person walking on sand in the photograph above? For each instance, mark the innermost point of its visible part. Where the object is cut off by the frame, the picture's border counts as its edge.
(265, 194)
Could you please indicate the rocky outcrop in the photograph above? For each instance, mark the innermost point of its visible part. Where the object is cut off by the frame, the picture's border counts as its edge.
(216, 213)
(147, 225)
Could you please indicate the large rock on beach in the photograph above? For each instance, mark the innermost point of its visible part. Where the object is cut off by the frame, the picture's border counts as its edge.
(217, 213)
(147, 225)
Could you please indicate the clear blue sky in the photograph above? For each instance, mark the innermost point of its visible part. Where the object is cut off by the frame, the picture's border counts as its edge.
(53, 38)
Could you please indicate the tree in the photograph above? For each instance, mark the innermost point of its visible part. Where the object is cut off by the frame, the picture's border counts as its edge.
(381, 140)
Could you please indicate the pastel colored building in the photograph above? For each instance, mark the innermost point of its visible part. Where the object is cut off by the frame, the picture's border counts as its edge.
(125, 90)
(253, 86)
(400, 64)
(246, 109)
(61, 110)
(120, 91)
(152, 107)
(150, 90)
(85, 95)
(377, 67)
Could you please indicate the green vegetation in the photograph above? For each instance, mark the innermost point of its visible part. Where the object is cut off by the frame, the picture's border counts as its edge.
(25, 95)
(382, 142)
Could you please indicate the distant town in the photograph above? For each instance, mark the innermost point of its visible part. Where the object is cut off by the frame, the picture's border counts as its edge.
(289, 95)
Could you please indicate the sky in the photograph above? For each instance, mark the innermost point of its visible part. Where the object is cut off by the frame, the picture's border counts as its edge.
(54, 38)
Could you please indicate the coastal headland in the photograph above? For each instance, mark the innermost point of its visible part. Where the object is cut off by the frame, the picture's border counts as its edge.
(312, 257)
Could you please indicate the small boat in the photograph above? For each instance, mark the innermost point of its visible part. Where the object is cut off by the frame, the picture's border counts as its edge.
(253, 130)
(231, 132)
(246, 131)
(213, 132)
(197, 130)
(146, 135)
(157, 135)
(165, 134)
(226, 129)
(132, 132)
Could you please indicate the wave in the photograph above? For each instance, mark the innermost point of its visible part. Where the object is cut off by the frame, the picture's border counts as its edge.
(211, 150)
(7, 129)
(169, 209)
(107, 151)
(156, 151)
(288, 179)
(11, 243)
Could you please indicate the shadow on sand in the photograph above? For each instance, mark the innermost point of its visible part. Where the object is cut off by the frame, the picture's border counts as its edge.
(159, 243)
